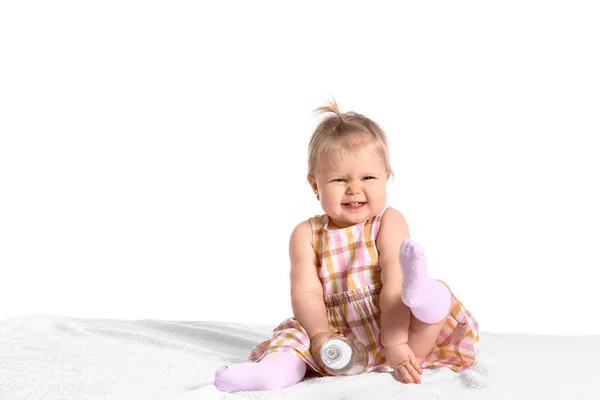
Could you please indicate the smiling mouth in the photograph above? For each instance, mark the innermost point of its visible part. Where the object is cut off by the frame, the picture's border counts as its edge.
(355, 205)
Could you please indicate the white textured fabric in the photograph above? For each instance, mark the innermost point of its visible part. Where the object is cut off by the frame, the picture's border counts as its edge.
(52, 357)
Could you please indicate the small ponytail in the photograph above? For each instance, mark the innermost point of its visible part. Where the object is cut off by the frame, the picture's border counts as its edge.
(334, 133)
(332, 107)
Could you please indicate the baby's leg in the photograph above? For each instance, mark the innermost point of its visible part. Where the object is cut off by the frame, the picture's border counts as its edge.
(275, 371)
(422, 336)
(429, 300)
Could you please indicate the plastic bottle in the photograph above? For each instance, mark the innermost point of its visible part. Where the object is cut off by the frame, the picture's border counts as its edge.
(342, 356)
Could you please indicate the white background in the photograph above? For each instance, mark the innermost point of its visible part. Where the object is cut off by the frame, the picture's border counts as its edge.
(153, 154)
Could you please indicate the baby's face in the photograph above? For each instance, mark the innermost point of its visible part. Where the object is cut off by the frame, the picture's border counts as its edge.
(351, 185)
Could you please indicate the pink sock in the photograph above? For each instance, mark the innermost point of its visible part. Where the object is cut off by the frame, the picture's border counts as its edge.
(275, 371)
(428, 299)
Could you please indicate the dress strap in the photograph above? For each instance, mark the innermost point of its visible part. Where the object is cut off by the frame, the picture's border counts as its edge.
(316, 224)
(375, 223)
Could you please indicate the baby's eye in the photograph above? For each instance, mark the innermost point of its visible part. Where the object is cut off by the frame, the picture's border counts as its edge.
(339, 180)
(369, 177)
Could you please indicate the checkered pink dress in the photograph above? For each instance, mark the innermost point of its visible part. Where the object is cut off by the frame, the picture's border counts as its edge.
(350, 274)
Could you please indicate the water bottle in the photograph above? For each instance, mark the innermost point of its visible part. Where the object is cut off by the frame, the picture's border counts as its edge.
(342, 356)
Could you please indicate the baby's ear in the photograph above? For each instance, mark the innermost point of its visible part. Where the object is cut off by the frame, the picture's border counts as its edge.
(313, 182)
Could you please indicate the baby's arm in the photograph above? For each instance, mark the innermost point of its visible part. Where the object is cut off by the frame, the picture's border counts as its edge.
(395, 315)
(306, 289)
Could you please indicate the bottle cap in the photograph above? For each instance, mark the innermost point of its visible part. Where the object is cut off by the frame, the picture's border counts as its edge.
(335, 354)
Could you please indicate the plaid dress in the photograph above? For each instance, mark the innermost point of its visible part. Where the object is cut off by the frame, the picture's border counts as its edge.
(351, 279)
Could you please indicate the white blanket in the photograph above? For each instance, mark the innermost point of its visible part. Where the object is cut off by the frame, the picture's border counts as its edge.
(51, 357)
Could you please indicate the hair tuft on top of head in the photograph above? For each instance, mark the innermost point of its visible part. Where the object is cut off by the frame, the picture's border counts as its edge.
(341, 132)
(332, 107)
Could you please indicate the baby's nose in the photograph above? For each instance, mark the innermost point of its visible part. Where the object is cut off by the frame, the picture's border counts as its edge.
(353, 189)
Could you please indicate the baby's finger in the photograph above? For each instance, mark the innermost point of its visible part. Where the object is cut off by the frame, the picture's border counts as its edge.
(404, 375)
(414, 374)
(417, 365)
(404, 372)
(397, 374)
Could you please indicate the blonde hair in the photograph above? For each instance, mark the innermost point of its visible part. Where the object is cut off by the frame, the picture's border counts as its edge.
(341, 131)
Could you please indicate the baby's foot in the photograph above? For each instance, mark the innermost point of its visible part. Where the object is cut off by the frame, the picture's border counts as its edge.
(414, 273)
(240, 377)
(275, 371)
(428, 299)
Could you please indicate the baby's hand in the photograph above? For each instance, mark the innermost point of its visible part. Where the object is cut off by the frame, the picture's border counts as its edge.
(404, 362)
